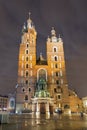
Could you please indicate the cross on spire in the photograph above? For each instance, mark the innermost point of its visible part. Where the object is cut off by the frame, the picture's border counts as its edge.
(29, 14)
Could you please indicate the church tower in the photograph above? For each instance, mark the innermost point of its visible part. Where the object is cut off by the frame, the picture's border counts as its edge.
(56, 62)
(27, 61)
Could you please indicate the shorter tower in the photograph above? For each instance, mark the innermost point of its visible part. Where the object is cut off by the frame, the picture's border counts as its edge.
(57, 80)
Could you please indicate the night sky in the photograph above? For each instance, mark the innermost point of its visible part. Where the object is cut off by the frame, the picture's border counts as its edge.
(68, 17)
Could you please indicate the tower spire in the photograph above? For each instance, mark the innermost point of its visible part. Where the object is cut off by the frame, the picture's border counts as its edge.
(29, 14)
(29, 22)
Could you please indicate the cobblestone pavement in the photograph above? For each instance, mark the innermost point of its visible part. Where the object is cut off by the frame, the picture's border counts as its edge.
(57, 122)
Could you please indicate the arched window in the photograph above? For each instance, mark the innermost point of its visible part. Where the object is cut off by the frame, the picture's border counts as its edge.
(26, 97)
(56, 73)
(42, 73)
(26, 73)
(27, 45)
(26, 51)
(26, 65)
(29, 89)
(59, 96)
(56, 65)
(57, 82)
(26, 58)
(26, 82)
(23, 89)
(55, 58)
(55, 49)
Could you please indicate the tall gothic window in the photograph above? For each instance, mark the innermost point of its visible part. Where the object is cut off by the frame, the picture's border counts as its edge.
(27, 73)
(26, 58)
(55, 50)
(26, 51)
(56, 73)
(27, 45)
(55, 58)
(42, 73)
(26, 65)
(26, 82)
(57, 82)
(59, 96)
(56, 65)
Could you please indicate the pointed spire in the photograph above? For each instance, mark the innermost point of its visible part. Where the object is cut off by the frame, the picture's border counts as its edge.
(29, 14)
(60, 39)
(24, 29)
(24, 26)
(29, 22)
(48, 39)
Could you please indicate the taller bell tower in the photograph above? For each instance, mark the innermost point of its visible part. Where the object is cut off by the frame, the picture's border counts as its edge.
(27, 62)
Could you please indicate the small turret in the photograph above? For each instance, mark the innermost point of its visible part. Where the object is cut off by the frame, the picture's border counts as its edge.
(24, 28)
(60, 39)
(53, 32)
(53, 35)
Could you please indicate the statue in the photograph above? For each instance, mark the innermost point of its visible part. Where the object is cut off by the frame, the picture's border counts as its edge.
(42, 89)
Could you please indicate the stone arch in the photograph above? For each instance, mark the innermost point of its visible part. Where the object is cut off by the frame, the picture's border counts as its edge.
(42, 73)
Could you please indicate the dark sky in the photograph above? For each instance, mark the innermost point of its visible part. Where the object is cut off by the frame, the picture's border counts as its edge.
(69, 17)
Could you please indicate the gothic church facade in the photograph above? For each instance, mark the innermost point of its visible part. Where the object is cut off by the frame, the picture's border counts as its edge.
(43, 78)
